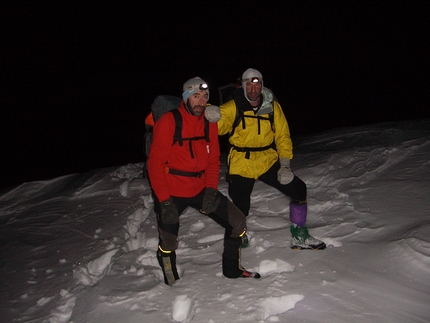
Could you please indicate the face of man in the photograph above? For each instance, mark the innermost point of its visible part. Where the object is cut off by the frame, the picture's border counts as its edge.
(253, 90)
(197, 103)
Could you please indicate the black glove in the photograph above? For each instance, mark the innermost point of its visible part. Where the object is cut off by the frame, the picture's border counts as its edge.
(210, 201)
(169, 212)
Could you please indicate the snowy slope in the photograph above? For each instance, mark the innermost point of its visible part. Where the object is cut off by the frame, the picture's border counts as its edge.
(81, 248)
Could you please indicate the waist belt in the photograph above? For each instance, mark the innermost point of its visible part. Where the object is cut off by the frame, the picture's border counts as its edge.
(187, 174)
(247, 150)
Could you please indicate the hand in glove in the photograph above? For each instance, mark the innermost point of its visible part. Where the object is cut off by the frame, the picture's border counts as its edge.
(210, 201)
(169, 212)
(267, 104)
(285, 175)
(212, 113)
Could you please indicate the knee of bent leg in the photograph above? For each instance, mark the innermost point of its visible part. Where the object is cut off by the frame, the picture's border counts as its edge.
(299, 191)
(236, 219)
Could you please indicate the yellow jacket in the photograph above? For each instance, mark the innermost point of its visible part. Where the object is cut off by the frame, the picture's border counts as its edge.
(258, 162)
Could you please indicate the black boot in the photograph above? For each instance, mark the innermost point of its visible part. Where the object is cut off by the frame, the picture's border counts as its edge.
(231, 267)
(167, 261)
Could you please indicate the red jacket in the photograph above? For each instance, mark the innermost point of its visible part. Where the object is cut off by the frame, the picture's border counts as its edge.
(163, 155)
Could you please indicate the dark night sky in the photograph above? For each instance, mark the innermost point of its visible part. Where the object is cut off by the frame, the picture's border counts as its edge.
(80, 77)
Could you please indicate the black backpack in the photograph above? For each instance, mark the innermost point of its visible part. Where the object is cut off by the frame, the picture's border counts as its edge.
(161, 105)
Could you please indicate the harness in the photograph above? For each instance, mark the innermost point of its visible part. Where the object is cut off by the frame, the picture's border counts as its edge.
(240, 117)
(177, 138)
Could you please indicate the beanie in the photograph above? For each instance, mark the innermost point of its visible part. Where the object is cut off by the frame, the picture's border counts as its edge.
(194, 85)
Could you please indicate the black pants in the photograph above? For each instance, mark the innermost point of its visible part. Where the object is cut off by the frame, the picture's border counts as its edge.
(227, 215)
(240, 188)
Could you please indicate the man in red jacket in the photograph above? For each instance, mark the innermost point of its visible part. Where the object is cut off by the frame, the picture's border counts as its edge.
(184, 172)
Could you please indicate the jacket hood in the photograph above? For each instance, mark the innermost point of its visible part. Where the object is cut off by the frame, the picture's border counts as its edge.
(241, 101)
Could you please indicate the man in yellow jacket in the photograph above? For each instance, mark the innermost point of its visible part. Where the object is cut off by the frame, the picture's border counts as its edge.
(261, 148)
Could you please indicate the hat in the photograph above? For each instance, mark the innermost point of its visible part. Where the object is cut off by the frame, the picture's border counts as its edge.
(192, 86)
(250, 75)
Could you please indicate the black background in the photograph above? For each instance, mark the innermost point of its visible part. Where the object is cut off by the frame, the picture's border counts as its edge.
(79, 77)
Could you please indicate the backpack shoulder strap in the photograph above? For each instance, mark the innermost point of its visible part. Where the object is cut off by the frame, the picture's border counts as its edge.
(207, 130)
(240, 116)
(237, 119)
(272, 120)
(177, 137)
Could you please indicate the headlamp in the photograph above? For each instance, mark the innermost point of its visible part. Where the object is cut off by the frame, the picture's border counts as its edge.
(201, 87)
(254, 79)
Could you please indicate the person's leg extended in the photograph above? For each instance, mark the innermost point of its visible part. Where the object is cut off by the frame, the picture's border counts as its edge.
(297, 191)
(240, 189)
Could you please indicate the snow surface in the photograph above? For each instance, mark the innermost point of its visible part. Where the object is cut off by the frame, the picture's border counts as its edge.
(81, 248)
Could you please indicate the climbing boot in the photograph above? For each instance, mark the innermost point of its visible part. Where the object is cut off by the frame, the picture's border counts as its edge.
(301, 239)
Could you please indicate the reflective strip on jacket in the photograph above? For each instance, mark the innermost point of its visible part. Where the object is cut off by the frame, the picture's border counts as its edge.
(163, 155)
(259, 162)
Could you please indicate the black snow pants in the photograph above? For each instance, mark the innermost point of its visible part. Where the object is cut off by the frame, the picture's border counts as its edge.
(240, 188)
(227, 215)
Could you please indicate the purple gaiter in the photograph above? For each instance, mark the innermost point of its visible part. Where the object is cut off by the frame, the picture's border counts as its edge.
(298, 214)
